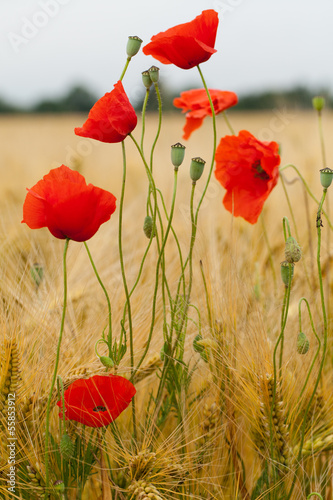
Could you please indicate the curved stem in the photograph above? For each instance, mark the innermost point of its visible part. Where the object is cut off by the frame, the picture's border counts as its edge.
(62, 324)
(143, 125)
(159, 124)
(107, 299)
(123, 274)
(125, 68)
(325, 333)
(214, 144)
(318, 339)
(308, 190)
(161, 253)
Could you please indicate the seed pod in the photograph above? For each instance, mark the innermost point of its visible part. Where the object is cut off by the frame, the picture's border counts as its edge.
(133, 45)
(196, 168)
(303, 343)
(326, 177)
(177, 154)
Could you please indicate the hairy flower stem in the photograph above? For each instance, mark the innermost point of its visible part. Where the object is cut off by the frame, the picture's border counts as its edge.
(123, 274)
(214, 144)
(318, 339)
(128, 60)
(109, 342)
(308, 190)
(48, 407)
(143, 123)
(325, 333)
(284, 315)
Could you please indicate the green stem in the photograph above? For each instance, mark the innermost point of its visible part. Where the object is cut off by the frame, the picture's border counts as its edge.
(214, 144)
(159, 125)
(123, 274)
(325, 334)
(161, 253)
(125, 68)
(107, 299)
(308, 190)
(48, 407)
(228, 122)
(318, 339)
(270, 257)
(143, 125)
(284, 316)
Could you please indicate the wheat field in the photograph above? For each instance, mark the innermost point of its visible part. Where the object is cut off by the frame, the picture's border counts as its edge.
(224, 425)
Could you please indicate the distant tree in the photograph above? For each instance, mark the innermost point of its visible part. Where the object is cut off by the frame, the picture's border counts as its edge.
(77, 100)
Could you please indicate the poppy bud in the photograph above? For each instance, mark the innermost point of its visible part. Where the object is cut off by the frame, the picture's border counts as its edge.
(148, 227)
(318, 103)
(326, 177)
(66, 447)
(146, 80)
(286, 269)
(292, 251)
(59, 485)
(154, 73)
(303, 344)
(133, 45)
(37, 273)
(106, 361)
(196, 168)
(177, 154)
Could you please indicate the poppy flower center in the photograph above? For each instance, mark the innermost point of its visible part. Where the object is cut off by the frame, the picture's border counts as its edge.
(99, 408)
(259, 171)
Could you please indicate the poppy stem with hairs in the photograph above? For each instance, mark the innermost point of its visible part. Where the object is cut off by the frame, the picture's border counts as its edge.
(123, 274)
(107, 299)
(48, 407)
(308, 190)
(303, 299)
(214, 144)
(325, 334)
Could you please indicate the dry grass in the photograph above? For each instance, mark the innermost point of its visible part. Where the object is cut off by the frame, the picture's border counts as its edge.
(245, 297)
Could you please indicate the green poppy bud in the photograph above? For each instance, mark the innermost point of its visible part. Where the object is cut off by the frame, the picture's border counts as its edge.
(303, 344)
(59, 485)
(326, 177)
(146, 80)
(106, 361)
(133, 45)
(37, 273)
(177, 154)
(148, 226)
(196, 168)
(66, 447)
(286, 269)
(292, 251)
(318, 103)
(154, 73)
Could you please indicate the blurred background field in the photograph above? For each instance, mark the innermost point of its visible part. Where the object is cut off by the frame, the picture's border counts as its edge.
(245, 293)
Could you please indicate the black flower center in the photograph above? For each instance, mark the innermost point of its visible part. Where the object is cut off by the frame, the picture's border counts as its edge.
(99, 408)
(259, 171)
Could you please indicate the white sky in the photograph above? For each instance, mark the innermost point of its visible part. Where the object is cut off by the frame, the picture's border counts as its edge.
(262, 44)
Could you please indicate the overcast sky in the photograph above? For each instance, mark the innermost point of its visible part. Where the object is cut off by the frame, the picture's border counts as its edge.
(47, 46)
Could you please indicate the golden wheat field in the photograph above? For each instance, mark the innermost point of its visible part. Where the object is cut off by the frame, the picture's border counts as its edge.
(225, 438)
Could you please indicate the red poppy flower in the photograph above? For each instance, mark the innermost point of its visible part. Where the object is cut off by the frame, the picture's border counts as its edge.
(196, 105)
(97, 401)
(64, 203)
(248, 169)
(188, 44)
(111, 118)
